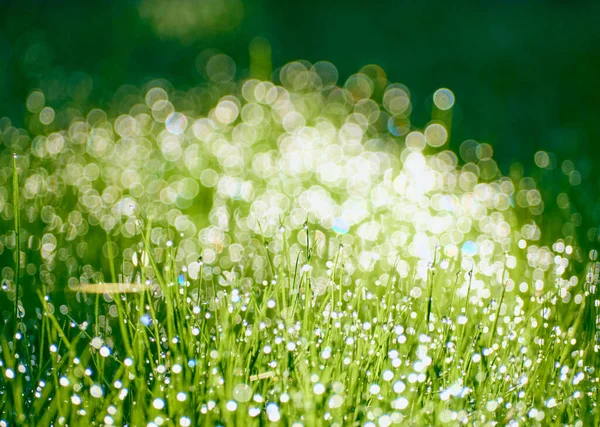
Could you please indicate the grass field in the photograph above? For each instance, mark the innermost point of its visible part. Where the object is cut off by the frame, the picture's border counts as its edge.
(292, 253)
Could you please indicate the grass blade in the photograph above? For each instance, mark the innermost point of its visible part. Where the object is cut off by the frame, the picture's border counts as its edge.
(17, 221)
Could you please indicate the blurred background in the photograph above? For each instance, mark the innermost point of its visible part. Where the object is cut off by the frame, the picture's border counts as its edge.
(525, 73)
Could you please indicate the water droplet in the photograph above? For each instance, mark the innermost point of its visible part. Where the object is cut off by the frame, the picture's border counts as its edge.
(242, 392)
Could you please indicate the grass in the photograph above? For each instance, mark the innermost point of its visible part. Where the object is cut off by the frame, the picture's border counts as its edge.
(287, 317)
(17, 217)
(180, 353)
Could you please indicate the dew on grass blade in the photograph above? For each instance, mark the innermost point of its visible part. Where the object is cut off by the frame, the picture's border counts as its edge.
(158, 403)
(96, 391)
(273, 412)
(242, 393)
(335, 401)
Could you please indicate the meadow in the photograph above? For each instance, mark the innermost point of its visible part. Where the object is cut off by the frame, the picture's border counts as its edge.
(284, 253)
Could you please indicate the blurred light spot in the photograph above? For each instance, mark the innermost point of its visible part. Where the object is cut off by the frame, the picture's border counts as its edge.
(396, 101)
(176, 123)
(340, 226)
(220, 68)
(542, 160)
(47, 115)
(436, 135)
(443, 99)
(35, 101)
(469, 248)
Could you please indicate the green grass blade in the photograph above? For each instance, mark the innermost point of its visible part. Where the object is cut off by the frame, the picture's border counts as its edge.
(17, 224)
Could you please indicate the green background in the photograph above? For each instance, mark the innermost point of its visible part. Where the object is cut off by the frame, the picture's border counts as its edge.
(525, 74)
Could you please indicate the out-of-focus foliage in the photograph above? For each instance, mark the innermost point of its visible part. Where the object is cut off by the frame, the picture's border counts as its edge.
(525, 73)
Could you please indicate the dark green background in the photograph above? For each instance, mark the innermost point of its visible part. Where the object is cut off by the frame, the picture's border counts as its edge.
(525, 73)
